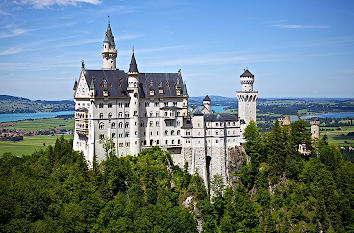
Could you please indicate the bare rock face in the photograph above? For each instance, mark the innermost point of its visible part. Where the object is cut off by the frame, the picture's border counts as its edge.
(234, 164)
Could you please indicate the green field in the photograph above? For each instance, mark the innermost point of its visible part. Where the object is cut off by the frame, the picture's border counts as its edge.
(44, 124)
(338, 135)
(29, 144)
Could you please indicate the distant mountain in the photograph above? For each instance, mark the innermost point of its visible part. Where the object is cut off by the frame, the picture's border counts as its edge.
(13, 104)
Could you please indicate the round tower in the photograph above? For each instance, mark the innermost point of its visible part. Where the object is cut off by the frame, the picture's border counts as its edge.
(315, 127)
(207, 102)
(247, 98)
(109, 52)
(133, 90)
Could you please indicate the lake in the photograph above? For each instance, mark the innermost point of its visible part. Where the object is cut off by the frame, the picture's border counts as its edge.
(37, 115)
(326, 115)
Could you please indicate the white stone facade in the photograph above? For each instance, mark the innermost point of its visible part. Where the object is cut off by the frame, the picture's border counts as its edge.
(143, 110)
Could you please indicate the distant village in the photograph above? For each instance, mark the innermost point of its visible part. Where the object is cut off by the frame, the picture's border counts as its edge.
(8, 134)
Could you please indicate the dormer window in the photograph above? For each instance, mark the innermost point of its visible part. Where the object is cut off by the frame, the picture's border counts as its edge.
(152, 92)
(178, 91)
(161, 91)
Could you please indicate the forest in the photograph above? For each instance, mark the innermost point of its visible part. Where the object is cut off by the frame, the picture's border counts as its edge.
(276, 190)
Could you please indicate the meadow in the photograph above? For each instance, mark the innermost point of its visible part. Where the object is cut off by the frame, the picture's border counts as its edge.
(44, 124)
(29, 144)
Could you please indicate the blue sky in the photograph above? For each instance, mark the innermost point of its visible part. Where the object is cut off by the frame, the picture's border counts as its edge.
(294, 48)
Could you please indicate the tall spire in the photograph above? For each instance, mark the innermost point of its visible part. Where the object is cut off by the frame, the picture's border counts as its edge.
(109, 38)
(133, 66)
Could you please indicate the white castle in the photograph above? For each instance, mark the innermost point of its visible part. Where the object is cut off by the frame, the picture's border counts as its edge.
(143, 110)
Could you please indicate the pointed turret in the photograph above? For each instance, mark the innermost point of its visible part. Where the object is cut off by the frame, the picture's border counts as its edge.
(109, 38)
(133, 66)
(109, 52)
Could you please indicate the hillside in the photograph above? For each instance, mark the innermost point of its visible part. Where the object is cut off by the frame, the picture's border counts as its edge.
(12, 104)
(275, 190)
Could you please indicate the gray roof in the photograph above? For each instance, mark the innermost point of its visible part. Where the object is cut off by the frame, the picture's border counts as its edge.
(133, 66)
(108, 37)
(207, 98)
(198, 110)
(117, 81)
(220, 117)
(247, 73)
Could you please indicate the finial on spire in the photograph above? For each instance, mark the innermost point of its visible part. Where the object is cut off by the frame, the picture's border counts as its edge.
(82, 64)
(109, 22)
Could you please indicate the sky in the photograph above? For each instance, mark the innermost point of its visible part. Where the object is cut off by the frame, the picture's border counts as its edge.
(299, 48)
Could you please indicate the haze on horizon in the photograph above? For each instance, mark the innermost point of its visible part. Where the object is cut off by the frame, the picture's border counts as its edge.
(294, 48)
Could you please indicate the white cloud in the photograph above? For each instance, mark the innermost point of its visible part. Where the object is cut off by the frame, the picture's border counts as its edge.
(48, 3)
(299, 26)
(11, 51)
(12, 32)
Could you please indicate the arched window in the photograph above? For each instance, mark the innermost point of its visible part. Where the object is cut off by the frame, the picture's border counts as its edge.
(120, 125)
(172, 132)
(101, 125)
(178, 132)
(109, 115)
(100, 105)
(166, 132)
(113, 125)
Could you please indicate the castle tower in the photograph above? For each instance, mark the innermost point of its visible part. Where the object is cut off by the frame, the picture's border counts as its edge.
(133, 90)
(207, 102)
(247, 98)
(315, 127)
(109, 52)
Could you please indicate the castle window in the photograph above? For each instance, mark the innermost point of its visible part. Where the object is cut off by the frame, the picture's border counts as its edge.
(166, 132)
(216, 141)
(152, 92)
(160, 91)
(217, 124)
(126, 105)
(166, 142)
(100, 105)
(157, 123)
(120, 105)
(178, 132)
(101, 136)
(178, 92)
(157, 142)
(120, 114)
(113, 125)
(157, 132)
(146, 104)
(217, 133)
(173, 142)
(110, 105)
(156, 104)
(113, 135)
(175, 104)
(144, 142)
(109, 115)
(120, 125)
(179, 141)
(165, 114)
(135, 113)
(101, 126)
(126, 125)
(172, 132)
(101, 115)
(120, 135)
(126, 134)
(150, 114)
(151, 123)
(178, 123)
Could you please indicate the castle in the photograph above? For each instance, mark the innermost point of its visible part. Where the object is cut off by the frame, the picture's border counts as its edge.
(142, 110)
